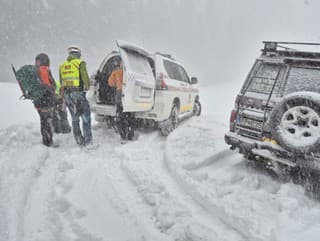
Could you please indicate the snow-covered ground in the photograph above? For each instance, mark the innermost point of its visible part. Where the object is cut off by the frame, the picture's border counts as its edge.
(188, 186)
(14, 111)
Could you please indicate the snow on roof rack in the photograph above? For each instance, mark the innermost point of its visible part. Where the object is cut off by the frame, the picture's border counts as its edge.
(272, 45)
(278, 48)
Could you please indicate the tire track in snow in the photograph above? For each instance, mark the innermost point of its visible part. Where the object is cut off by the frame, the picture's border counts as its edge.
(199, 155)
(33, 188)
(93, 197)
(218, 157)
(65, 213)
(252, 204)
(19, 172)
(41, 220)
(172, 213)
(192, 190)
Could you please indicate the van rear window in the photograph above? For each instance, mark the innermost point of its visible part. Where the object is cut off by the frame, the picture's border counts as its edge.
(139, 63)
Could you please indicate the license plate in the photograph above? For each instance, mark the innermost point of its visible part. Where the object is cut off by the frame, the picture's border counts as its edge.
(145, 92)
(251, 123)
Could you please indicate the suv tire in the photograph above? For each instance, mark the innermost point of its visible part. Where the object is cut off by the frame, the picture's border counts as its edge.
(295, 123)
(173, 121)
(197, 108)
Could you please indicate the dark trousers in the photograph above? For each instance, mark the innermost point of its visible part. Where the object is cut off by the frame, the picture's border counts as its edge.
(46, 130)
(125, 121)
(78, 106)
(60, 118)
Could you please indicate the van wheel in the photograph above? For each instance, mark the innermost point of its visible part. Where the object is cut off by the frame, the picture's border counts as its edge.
(172, 122)
(197, 108)
(295, 124)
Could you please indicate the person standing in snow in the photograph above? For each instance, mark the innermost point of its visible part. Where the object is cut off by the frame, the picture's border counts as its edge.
(124, 120)
(75, 82)
(45, 104)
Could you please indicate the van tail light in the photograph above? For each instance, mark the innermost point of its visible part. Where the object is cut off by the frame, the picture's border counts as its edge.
(233, 119)
(161, 82)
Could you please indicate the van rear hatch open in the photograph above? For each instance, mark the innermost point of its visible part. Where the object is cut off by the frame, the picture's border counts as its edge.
(138, 79)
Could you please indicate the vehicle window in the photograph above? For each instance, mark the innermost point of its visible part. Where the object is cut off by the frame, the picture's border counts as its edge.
(183, 74)
(139, 63)
(175, 71)
(302, 79)
(171, 69)
(263, 79)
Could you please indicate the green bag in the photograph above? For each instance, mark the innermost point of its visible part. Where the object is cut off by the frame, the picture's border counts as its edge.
(30, 83)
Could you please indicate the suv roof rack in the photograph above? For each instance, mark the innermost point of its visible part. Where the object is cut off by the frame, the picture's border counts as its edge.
(272, 48)
(169, 56)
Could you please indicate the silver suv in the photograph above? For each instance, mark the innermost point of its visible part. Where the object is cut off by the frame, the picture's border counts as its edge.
(276, 117)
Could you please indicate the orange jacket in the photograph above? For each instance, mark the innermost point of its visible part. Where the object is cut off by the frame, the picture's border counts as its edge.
(44, 75)
(115, 79)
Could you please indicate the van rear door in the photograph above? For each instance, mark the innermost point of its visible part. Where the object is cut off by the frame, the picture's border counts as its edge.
(138, 79)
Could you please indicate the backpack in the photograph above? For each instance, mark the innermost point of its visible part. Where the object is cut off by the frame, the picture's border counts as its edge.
(30, 83)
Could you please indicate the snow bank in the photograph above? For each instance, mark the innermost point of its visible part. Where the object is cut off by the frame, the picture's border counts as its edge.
(187, 186)
(250, 202)
(13, 110)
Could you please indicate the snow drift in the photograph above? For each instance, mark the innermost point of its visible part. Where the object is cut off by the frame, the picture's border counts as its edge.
(184, 187)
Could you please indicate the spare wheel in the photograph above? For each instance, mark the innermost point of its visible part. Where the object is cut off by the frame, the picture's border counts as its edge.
(295, 122)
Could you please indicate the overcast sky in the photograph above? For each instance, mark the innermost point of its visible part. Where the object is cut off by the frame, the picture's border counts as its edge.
(218, 40)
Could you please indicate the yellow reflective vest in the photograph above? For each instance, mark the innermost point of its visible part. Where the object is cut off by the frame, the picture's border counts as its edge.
(70, 74)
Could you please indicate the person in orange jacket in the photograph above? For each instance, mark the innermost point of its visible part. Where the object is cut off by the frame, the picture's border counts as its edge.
(124, 120)
(45, 104)
(53, 115)
(115, 80)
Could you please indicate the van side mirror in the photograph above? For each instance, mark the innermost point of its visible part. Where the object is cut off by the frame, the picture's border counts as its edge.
(194, 80)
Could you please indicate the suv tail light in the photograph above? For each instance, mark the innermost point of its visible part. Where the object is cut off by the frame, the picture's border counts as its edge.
(233, 118)
(161, 82)
(234, 113)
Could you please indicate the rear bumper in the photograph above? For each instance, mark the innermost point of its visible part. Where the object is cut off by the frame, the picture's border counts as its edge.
(247, 144)
(102, 109)
(271, 152)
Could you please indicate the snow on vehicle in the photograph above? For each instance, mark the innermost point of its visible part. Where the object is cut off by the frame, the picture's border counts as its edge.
(276, 117)
(156, 89)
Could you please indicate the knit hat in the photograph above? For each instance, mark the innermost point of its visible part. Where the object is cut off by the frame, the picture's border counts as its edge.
(42, 60)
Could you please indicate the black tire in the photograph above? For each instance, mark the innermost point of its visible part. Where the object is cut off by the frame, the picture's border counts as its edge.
(293, 122)
(197, 108)
(166, 130)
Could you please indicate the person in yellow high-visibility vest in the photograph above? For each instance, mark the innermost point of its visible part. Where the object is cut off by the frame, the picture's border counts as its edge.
(75, 82)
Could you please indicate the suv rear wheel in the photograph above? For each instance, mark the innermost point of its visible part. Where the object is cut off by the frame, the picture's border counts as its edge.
(295, 124)
(197, 108)
(172, 122)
